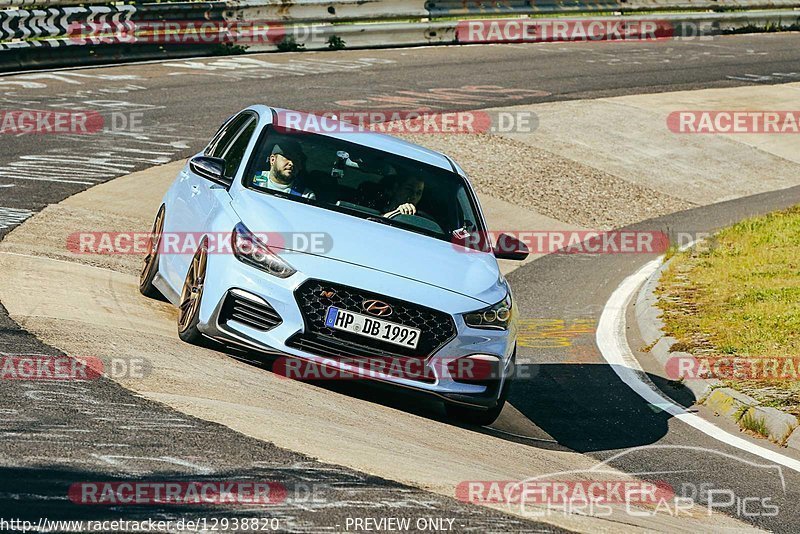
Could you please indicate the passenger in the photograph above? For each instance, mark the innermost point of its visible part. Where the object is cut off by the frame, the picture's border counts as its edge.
(403, 196)
(286, 164)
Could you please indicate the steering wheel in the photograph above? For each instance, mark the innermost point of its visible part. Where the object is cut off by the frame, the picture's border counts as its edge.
(426, 216)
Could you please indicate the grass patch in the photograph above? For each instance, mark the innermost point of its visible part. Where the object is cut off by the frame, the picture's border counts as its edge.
(290, 44)
(228, 49)
(648, 347)
(671, 251)
(739, 297)
(770, 27)
(336, 43)
(754, 424)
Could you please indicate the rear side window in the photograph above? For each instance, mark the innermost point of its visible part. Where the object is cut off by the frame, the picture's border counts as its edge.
(234, 155)
(226, 135)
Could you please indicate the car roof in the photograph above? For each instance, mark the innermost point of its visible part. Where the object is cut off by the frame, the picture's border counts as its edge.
(377, 141)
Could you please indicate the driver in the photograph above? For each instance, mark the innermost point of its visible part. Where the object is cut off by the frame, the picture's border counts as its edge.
(403, 196)
(285, 165)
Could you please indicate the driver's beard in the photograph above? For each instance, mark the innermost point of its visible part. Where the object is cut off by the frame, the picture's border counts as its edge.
(284, 177)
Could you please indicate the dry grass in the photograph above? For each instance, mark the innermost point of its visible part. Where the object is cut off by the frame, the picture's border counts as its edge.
(739, 295)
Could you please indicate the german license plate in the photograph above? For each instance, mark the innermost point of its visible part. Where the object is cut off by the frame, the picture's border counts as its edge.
(372, 327)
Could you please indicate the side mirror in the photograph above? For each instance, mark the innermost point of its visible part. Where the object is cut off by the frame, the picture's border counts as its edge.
(212, 169)
(510, 248)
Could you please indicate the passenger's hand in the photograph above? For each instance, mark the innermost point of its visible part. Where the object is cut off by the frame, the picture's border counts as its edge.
(407, 209)
(403, 209)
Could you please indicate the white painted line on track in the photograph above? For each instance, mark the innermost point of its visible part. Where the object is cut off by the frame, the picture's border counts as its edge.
(79, 182)
(613, 345)
(120, 460)
(11, 217)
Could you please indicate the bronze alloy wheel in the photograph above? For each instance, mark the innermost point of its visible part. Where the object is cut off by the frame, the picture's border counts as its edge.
(150, 266)
(192, 293)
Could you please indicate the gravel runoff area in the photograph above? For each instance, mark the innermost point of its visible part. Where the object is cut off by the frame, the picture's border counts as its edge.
(549, 184)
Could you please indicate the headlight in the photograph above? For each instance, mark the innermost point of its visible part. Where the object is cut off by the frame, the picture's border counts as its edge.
(250, 250)
(496, 317)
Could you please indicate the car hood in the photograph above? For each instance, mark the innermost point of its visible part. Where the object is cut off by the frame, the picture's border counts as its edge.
(373, 245)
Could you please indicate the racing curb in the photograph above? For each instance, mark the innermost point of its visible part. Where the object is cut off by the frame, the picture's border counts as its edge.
(782, 428)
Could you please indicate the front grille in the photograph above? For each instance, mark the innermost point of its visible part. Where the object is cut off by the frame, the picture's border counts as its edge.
(353, 354)
(254, 314)
(437, 328)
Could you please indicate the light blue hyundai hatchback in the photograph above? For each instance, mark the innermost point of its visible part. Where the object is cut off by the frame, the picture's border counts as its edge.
(342, 249)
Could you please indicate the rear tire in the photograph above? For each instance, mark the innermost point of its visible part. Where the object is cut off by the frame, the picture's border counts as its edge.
(150, 267)
(191, 298)
(476, 416)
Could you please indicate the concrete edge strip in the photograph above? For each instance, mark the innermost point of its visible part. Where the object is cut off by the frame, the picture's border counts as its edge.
(613, 344)
(747, 412)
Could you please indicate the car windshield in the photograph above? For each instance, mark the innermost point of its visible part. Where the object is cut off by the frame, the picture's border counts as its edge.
(362, 182)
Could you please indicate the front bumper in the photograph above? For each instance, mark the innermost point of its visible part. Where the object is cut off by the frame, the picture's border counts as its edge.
(226, 274)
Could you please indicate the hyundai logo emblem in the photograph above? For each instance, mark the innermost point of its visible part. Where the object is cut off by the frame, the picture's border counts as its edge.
(377, 308)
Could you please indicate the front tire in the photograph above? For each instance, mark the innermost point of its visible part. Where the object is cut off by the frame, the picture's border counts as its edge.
(191, 297)
(150, 267)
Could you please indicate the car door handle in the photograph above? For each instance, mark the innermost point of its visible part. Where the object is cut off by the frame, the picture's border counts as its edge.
(184, 176)
(195, 190)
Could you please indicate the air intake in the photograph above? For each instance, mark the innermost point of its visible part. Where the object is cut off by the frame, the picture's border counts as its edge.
(249, 311)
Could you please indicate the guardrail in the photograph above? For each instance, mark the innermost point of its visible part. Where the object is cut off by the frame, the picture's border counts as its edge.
(448, 8)
(29, 37)
(340, 10)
